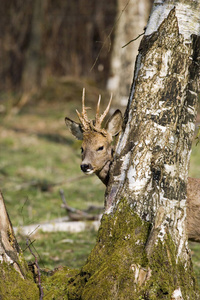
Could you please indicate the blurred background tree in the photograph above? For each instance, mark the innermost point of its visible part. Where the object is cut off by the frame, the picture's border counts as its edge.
(132, 19)
(47, 38)
(41, 39)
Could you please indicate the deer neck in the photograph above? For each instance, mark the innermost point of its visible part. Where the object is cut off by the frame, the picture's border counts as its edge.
(103, 174)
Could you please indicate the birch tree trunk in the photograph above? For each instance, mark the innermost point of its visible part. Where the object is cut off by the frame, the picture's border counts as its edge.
(16, 281)
(142, 250)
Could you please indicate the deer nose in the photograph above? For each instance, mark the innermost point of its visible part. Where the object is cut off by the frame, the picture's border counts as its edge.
(86, 168)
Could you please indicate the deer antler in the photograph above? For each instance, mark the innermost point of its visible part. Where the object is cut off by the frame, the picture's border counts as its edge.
(89, 124)
(83, 116)
(99, 119)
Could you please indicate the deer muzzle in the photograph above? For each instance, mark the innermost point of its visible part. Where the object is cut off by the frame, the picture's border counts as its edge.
(87, 169)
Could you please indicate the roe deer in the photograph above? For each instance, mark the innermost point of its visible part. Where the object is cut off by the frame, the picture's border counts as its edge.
(97, 155)
(97, 151)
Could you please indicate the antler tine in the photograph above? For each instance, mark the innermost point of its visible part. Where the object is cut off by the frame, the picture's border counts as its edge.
(106, 111)
(79, 115)
(83, 116)
(83, 105)
(97, 112)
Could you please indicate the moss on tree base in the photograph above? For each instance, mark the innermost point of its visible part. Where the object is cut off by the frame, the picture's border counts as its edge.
(56, 285)
(12, 286)
(118, 267)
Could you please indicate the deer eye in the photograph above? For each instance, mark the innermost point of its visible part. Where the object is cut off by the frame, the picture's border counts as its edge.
(81, 149)
(100, 148)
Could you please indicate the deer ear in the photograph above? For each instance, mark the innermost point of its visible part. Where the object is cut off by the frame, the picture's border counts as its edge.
(74, 128)
(114, 123)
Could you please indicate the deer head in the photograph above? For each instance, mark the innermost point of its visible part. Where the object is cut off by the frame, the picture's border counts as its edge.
(97, 150)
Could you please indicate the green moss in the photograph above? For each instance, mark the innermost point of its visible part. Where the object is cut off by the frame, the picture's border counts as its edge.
(108, 273)
(168, 274)
(12, 286)
(55, 286)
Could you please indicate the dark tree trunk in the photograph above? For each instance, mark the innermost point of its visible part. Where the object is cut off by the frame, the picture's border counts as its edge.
(15, 25)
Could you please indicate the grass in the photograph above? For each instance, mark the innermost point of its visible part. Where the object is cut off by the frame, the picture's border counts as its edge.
(195, 161)
(60, 248)
(38, 156)
(195, 252)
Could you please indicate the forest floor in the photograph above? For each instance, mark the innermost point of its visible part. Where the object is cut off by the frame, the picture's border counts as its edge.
(38, 157)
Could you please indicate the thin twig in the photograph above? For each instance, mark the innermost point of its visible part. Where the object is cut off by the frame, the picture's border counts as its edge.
(34, 230)
(38, 268)
(133, 40)
(108, 36)
(29, 244)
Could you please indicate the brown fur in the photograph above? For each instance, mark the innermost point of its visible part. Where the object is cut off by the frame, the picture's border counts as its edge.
(100, 159)
(193, 209)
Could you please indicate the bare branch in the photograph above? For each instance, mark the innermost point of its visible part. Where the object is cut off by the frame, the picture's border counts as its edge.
(37, 266)
(133, 39)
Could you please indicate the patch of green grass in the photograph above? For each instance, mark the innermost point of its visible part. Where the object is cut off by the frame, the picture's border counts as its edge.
(195, 252)
(60, 248)
(195, 161)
